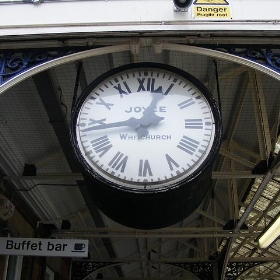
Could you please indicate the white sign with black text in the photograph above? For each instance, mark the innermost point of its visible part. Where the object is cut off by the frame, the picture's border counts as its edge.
(44, 247)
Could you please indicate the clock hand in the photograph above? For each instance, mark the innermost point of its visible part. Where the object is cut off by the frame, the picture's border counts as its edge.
(144, 123)
(149, 116)
(142, 131)
(131, 122)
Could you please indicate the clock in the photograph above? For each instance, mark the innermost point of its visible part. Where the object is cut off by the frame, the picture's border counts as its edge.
(146, 136)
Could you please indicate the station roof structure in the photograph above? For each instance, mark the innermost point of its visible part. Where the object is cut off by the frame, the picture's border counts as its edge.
(56, 48)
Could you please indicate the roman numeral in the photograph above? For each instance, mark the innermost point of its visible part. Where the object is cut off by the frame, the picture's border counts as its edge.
(119, 88)
(186, 103)
(101, 145)
(148, 84)
(119, 162)
(188, 145)
(144, 168)
(169, 88)
(194, 123)
(171, 162)
(92, 122)
(107, 105)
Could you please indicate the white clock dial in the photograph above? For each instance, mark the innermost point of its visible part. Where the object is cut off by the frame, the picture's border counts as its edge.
(144, 128)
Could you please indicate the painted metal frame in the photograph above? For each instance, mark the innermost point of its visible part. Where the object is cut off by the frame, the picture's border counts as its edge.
(16, 67)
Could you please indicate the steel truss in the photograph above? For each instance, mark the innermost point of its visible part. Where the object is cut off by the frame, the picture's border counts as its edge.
(17, 65)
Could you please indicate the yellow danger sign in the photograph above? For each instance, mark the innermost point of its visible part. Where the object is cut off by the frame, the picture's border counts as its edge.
(207, 9)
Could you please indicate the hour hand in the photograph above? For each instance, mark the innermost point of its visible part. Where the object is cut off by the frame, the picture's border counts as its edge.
(131, 122)
(149, 117)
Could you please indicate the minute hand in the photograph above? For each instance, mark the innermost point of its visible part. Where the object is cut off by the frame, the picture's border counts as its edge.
(131, 122)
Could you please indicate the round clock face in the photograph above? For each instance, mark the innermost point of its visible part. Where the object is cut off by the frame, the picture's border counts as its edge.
(145, 126)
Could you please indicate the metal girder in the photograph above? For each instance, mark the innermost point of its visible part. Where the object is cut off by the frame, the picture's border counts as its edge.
(257, 219)
(237, 110)
(235, 146)
(188, 260)
(48, 93)
(220, 175)
(263, 131)
(195, 248)
(99, 41)
(236, 158)
(81, 79)
(166, 235)
(211, 217)
(179, 233)
(97, 218)
(269, 175)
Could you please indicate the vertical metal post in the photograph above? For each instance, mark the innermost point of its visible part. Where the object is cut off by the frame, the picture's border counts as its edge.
(216, 274)
(14, 268)
(6, 267)
(263, 131)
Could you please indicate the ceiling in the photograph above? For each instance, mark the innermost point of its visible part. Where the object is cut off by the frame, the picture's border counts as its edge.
(244, 197)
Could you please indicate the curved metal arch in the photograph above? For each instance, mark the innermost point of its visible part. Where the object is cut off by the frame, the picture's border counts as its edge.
(81, 270)
(96, 270)
(127, 47)
(237, 269)
(253, 266)
(224, 56)
(202, 270)
(61, 60)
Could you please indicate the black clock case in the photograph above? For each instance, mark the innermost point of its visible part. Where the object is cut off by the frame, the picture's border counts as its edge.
(153, 209)
(150, 208)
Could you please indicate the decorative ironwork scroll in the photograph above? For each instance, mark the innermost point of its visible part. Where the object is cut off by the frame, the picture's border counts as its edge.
(82, 269)
(268, 57)
(14, 63)
(235, 269)
(203, 270)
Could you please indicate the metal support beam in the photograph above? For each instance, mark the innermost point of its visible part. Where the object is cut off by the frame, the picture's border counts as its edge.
(263, 131)
(211, 217)
(269, 175)
(175, 233)
(238, 106)
(219, 175)
(236, 158)
(98, 220)
(48, 93)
